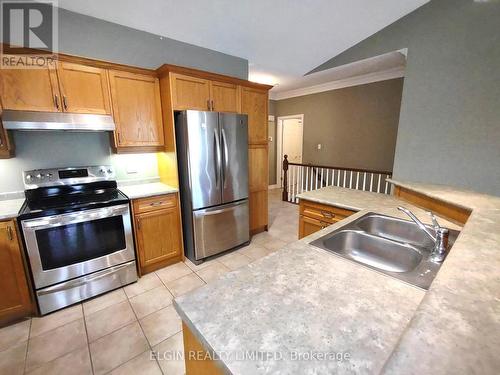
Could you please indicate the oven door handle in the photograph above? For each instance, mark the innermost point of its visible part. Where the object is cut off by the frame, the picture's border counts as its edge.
(82, 281)
(75, 217)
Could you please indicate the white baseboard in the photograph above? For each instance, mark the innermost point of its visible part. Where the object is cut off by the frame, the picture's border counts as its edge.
(276, 186)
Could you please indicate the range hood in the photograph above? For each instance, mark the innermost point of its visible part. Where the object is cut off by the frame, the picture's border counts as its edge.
(27, 120)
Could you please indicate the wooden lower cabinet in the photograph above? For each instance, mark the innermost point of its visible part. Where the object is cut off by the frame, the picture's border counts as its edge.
(15, 300)
(157, 227)
(316, 216)
(197, 359)
(258, 211)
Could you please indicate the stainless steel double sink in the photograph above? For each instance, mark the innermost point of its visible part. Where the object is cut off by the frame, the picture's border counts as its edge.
(390, 245)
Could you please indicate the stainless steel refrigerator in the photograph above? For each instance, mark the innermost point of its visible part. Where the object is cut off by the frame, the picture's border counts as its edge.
(212, 154)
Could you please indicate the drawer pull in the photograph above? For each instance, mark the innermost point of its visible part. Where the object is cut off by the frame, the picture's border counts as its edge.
(324, 225)
(9, 233)
(327, 214)
(156, 203)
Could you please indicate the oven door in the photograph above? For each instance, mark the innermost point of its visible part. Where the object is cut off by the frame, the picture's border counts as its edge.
(66, 246)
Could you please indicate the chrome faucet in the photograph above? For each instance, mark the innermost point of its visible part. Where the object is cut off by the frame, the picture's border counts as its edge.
(440, 239)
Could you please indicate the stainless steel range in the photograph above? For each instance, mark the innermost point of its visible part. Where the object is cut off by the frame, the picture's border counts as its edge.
(77, 231)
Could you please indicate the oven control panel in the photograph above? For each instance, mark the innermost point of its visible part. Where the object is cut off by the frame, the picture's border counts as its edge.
(67, 176)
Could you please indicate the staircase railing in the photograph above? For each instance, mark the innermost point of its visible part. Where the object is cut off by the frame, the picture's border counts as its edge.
(298, 178)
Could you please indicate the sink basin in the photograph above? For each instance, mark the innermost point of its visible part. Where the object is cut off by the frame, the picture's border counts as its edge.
(374, 251)
(395, 229)
(390, 245)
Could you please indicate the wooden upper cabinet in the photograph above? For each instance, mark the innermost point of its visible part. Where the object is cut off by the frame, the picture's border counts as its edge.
(30, 90)
(225, 97)
(189, 92)
(254, 104)
(15, 301)
(136, 109)
(84, 89)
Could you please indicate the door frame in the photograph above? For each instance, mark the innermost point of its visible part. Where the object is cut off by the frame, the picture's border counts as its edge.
(279, 144)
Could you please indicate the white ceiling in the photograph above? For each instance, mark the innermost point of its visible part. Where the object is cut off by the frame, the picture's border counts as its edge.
(282, 39)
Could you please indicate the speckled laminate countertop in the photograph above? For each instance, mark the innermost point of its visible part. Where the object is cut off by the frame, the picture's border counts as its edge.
(10, 208)
(292, 300)
(147, 190)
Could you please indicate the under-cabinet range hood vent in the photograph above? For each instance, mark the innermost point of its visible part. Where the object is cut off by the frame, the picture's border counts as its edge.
(27, 120)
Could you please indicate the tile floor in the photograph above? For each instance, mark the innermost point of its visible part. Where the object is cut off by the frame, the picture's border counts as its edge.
(136, 328)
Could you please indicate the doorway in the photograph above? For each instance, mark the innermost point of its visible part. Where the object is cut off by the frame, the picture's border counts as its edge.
(289, 142)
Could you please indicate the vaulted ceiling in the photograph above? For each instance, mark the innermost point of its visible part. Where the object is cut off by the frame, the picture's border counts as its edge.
(281, 39)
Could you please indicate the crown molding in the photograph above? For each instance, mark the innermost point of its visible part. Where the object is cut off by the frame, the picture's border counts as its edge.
(339, 84)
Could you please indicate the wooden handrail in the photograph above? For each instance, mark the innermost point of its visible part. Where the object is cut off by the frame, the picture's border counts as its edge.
(341, 168)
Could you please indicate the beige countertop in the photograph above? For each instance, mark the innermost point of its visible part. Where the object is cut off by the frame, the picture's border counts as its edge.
(302, 298)
(147, 190)
(10, 208)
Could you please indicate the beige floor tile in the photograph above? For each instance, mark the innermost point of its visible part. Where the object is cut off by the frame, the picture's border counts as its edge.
(173, 272)
(12, 359)
(261, 238)
(201, 266)
(108, 320)
(274, 245)
(151, 301)
(213, 272)
(144, 364)
(254, 251)
(14, 334)
(234, 261)
(117, 348)
(56, 343)
(185, 284)
(75, 363)
(170, 355)
(55, 319)
(145, 283)
(103, 301)
(161, 325)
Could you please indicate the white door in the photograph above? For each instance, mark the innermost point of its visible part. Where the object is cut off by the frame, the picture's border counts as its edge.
(292, 140)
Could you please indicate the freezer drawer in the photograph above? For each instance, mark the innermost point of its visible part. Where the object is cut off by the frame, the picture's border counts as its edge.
(220, 228)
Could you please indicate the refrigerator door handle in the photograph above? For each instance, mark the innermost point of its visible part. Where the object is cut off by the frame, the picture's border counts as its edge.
(217, 156)
(225, 158)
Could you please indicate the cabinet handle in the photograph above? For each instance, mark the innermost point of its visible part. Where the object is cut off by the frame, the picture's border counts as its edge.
(119, 138)
(65, 102)
(9, 233)
(213, 107)
(156, 203)
(324, 225)
(56, 101)
(327, 214)
(208, 104)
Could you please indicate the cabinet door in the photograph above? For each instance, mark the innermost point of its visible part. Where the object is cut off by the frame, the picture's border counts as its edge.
(136, 109)
(30, 90)
(309, 226)
(158, 238)
(254, 104)
(190, 92)
(225, 97)
(84, 89)
(258, 166)
(15, 301)
(258, 211)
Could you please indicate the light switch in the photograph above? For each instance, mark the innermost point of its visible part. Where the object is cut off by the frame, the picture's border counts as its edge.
(270, 138)
(319, 146)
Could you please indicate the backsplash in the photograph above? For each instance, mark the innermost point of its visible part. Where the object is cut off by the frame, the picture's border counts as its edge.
(65, 149)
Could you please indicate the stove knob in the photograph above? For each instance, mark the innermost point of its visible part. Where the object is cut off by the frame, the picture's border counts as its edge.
(39, 176)
(110, 171)
(29, 177)
(102, 171)
(48, 175)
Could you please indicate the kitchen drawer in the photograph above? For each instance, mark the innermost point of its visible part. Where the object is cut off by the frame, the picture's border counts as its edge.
(159, 202)
(323, 212)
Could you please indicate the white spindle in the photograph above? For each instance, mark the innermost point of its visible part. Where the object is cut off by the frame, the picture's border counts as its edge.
(371, 182)
(344, 181)
(378, 185)
(350, 179)
(364, 182)
(301, 179)
(386, 186)
(357, 180)
(322, 175)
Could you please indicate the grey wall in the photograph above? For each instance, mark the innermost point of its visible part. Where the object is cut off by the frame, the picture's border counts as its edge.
(449, 129)
(94, 38)
(272, 144)
(356, 126)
